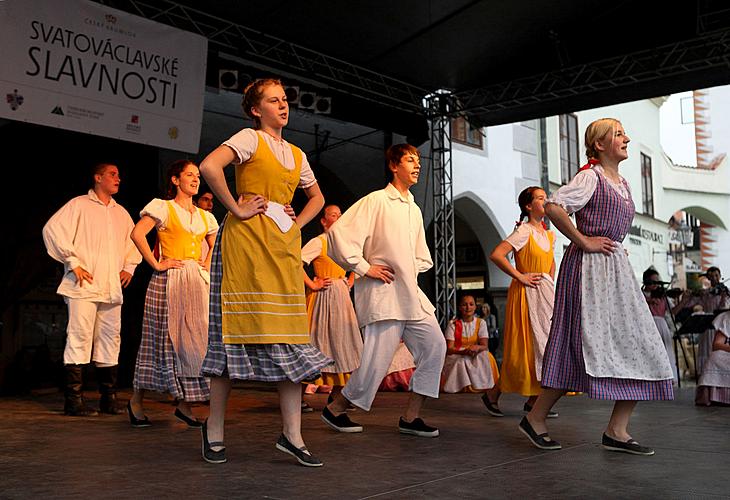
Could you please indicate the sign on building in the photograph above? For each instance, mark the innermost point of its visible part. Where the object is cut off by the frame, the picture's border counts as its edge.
(82, 66)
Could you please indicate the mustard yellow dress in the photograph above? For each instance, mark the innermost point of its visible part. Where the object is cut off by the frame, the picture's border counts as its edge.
(518, 371)
(258, 327)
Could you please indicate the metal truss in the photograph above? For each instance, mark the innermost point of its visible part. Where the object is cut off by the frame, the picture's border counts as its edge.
(252, 45)
(705, 53)
(440, 106)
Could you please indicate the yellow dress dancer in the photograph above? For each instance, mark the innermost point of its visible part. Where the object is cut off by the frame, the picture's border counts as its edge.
(258, 319)
(530, 297)
(332, 321)
(518, 372)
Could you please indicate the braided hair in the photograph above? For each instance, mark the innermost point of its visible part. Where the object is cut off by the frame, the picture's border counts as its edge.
(524, 199)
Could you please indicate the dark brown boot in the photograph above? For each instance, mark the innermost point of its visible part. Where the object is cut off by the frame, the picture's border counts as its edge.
(108, 389)
(74, 405)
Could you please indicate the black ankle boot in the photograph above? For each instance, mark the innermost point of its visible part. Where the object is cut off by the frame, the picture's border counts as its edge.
(108, 389)
(74, 402)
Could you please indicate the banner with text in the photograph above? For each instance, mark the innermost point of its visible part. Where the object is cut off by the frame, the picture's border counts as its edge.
(82, 66)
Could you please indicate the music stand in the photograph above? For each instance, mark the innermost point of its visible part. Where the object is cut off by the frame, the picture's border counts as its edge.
(697, 323)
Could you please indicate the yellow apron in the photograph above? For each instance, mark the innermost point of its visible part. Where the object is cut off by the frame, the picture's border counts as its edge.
(518, 364)
(262, 291)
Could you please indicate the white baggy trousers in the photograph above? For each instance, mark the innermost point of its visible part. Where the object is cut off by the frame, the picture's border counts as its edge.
(424, 340)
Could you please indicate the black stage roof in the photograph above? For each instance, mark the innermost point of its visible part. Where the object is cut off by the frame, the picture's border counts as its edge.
(506, 60)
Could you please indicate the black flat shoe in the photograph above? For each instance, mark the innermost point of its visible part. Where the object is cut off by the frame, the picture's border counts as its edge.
(137, 423)
(492, 408)
(551, 414)
(630, 446)
(301, 454)
(190, 421)
(541, 441)
(210, 456)
(341, 423)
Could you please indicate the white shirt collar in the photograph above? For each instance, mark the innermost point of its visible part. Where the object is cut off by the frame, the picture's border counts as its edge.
(94, 197)
(394, 194)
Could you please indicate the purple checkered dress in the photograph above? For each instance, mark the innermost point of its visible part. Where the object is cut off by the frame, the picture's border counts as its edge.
(607, 214)
(156, 367)
(262, 362)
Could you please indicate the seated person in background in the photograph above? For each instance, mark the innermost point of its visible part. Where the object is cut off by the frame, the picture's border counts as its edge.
(400, 371)
(469, 365)
(712, 298)
(491, 321)
(714, 384)
(657, 300)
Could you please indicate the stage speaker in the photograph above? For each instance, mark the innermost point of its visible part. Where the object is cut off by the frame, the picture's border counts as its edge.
(307, 100)
(292, 94)
(228, 79)
(322, 105)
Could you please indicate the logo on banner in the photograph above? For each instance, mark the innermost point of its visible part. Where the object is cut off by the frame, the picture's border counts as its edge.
(173, 132)
(14, 100)
(133, 127)
(58, 110)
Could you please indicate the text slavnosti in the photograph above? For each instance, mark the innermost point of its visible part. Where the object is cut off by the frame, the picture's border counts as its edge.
(117, 71)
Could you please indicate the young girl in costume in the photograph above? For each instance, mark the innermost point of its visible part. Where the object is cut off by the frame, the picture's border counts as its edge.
(603, 340)
(332, 321)
(258, 318)
(529, 299)
(469, 365)
(175, 324)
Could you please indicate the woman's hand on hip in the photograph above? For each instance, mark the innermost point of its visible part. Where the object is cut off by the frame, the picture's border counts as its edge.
(598, 244)
(250, 207)
(166, 264)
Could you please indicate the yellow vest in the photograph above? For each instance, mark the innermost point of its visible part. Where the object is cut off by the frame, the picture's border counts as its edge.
(176, 242)
(262, 291)
(324, 266)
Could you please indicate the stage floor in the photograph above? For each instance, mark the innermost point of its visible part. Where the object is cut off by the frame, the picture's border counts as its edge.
(44, 454)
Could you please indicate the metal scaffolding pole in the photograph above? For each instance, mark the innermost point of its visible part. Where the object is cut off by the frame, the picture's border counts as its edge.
(440, 107)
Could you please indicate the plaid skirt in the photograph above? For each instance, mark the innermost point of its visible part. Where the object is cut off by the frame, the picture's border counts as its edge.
(563, 364)
(156, 367)
(261, 362)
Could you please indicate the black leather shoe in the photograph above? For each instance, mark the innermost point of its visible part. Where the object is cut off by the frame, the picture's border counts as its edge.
(417, 428)
(629, 446)
(301, 454)
(492, 408)
(210, 456)
(541, 441)
(137, 423)
(341, 423)
(192, 422)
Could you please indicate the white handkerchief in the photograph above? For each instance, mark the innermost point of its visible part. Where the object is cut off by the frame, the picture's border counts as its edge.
(275, 211)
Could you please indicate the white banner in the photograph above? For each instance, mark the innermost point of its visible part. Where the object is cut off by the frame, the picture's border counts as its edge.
(81, 66)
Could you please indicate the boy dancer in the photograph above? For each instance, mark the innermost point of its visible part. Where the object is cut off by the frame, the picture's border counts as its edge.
(90, 236)
(381, 238)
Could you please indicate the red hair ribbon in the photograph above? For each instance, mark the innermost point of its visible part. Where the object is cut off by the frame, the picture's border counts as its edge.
(591, 162)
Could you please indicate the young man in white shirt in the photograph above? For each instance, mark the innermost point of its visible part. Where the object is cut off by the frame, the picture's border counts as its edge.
(382, 239)
(89, 235)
